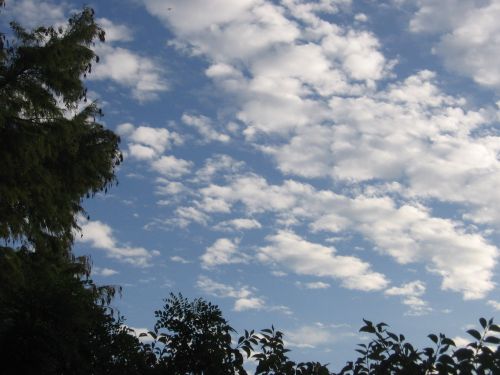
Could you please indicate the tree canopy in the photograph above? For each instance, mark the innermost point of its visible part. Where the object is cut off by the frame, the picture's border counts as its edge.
(53, 151)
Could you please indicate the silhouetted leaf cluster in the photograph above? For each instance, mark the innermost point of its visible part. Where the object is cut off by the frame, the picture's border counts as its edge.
(389, 353)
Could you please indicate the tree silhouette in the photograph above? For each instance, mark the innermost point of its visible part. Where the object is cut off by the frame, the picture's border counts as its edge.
(53, 152)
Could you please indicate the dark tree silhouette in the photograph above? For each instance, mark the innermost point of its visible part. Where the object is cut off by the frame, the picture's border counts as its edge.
(53, 153)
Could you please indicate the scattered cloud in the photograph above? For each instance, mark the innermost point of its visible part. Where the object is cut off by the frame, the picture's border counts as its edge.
(147, 143)
(244, 297)
(170, 166)
(494, 304)
(307, 258)
(407, 232)
(223, 252)
(411, 293)
(115, 32)
(98, 271)
(312, 285)
(33, 13)
(467, 30)
(179, 259)
(141, 74)
(315, 335)
(238, 224)
(100, 236)
(205, 127)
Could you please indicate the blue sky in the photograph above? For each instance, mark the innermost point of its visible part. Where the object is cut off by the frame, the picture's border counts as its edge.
(299, 163)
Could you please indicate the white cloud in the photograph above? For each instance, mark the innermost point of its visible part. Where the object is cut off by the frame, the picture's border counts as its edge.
(179, 259)
(253, 303)
(308, 337)
(140, 74)
(244, 296)
(187, 215)
(468, 31)
(98, 271)
(238, 224)
(307, 258)
(33, 13)
(205, 127)
(313, 285)
(494, 304)
(409, 233)
(147, 143)
(222, 252)
(115, 32)
(411, 293)
(100, 236)
(223, 166)
(172, 167)
(312, 336)
(166, 187)
(306, 94)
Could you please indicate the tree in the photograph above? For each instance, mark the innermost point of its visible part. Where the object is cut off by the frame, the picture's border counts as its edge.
(52, 153)
(53, 318)
(194, 338)
(389, 353)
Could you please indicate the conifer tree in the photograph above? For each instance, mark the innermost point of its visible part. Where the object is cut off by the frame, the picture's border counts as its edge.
(53, 150)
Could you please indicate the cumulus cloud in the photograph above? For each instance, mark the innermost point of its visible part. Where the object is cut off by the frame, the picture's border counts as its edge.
(179, 259)
(115, 32)
(494, 304)
(145, 142)
(205, 127)
(244, 297)
(141, 74)
(313, 285)
(98, 271)
(100, 236)
(170, 166)
(306, 91)
(408, 232)
(238, 224)
(467, 30)
(316, 335)
(307, 258)
(411, 293)
(219, 166)
(222, 252)
(33, 13)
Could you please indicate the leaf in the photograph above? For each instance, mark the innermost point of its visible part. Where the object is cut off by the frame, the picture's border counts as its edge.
(474, 334)
(483, 322)
(494, 328)
(445, 358)
(433, 337)
(463, 354)
(369, 329)
(447, 341)
(492, 340)
(392, 336)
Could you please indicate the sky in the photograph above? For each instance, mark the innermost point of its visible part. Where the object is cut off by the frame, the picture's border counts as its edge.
(299, 163)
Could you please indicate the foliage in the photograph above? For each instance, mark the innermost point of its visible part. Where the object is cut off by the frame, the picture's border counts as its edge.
(270, 354)
(53, 153)
(389, 353)
(194, 338)
(55, 320)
